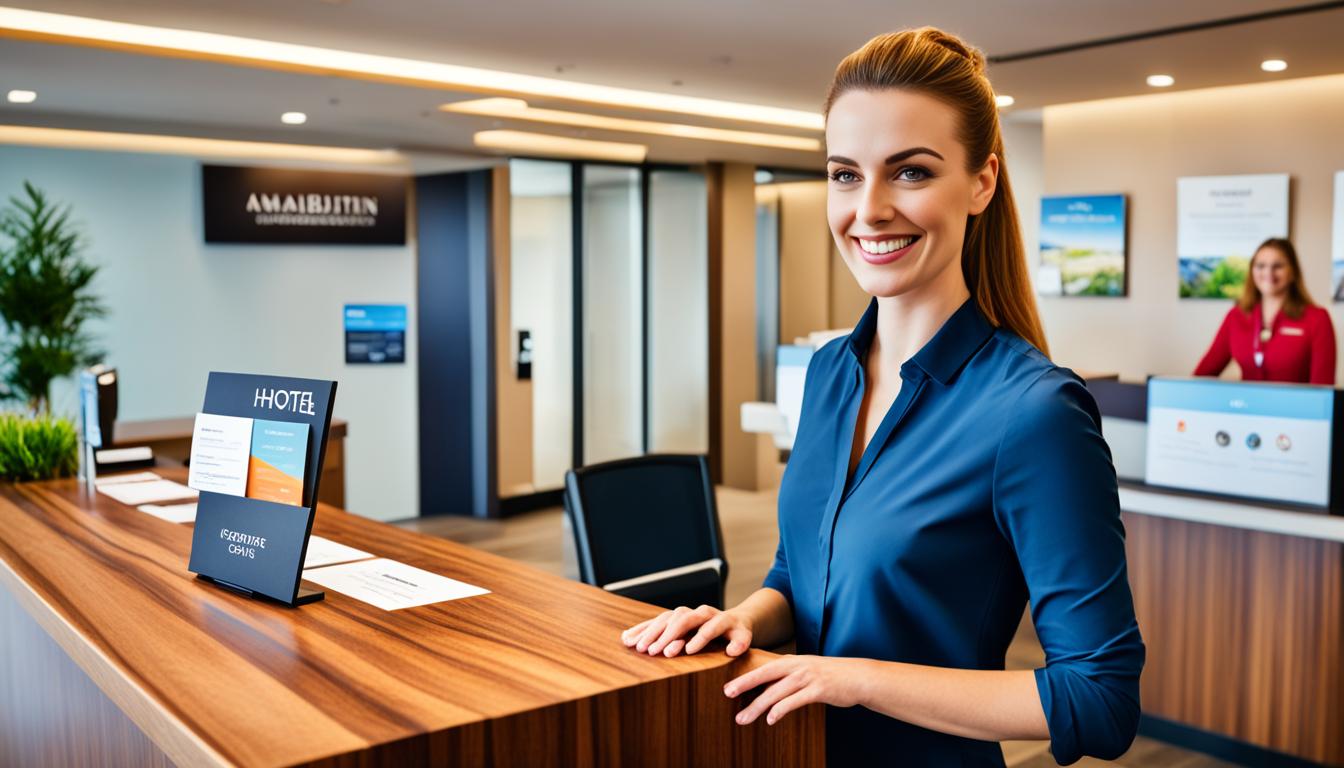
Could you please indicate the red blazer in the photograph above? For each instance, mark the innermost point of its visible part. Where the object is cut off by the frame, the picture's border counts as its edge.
(1301, 350)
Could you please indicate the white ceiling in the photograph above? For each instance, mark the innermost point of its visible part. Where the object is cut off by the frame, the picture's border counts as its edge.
(778, 53)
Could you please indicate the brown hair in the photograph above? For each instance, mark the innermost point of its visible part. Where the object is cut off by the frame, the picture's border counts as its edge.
(1297, 300)
(933, 62)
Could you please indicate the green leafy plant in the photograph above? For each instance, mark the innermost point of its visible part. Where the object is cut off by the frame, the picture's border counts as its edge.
(37, 447)
(45, 298)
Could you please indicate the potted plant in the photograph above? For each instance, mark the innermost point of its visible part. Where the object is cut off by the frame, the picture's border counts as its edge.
(45, 298)
(37, 447)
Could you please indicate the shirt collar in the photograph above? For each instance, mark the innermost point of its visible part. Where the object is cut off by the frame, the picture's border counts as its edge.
(945, 354)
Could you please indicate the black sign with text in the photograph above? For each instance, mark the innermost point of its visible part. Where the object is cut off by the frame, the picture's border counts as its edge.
(275, 206)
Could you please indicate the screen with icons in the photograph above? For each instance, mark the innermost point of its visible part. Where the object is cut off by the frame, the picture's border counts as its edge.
(1252, 439)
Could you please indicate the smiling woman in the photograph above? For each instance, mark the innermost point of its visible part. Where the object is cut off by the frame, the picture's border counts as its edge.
(944, 469)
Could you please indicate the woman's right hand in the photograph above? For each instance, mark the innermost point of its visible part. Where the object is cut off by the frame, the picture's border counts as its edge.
(689, 630)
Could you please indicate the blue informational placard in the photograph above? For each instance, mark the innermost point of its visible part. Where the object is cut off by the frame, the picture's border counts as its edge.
(375, 333)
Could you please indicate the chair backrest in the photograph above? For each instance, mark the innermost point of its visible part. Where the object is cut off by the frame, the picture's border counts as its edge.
(643, 515)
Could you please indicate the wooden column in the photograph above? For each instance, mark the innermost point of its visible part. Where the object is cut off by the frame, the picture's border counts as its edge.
(732, 321)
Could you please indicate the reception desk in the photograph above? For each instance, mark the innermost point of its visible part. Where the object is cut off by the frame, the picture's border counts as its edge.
(1241, 606)
(115, 654)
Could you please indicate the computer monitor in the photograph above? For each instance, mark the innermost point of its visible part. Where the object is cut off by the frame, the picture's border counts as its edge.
(1259, 440)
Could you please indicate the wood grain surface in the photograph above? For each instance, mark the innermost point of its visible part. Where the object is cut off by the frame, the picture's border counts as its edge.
(1245, 632)
(532, 673)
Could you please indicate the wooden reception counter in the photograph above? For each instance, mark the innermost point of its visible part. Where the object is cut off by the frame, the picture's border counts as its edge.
(114, 654)
(1241, 606)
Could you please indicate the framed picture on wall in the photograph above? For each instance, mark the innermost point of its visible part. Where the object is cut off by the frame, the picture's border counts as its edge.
(1083, 246)
(1220, 221)
(1337, 241)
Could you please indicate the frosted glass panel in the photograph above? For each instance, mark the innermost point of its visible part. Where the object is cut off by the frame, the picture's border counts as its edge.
(613, 306)
(678, 313)
(542, 303)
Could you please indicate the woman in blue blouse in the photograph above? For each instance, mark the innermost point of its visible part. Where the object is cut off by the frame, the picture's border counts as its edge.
(945, 472)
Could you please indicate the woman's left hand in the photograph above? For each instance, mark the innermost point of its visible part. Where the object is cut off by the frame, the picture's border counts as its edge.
(796, 681)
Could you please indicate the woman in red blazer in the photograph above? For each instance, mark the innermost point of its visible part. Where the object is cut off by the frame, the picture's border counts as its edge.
(1275, 332)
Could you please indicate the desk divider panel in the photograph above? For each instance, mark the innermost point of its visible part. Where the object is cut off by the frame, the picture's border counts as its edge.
(272, 569)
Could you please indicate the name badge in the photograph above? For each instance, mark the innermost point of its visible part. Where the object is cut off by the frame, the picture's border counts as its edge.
(1290, 331)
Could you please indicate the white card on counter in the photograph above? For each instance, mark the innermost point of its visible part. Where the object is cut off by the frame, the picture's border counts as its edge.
(390, 585)
(327, 552)
(173, 513)
(135, 494)
(134, 477)
(220, 449)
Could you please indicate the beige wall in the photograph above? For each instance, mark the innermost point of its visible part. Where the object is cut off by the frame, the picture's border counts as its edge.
(732, 222)
(1140, 146)
(816, 290)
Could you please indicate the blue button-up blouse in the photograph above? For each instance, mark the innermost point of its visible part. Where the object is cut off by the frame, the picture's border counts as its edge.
(987, 484)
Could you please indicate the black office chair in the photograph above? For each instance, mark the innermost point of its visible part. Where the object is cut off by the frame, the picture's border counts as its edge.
(648, 528)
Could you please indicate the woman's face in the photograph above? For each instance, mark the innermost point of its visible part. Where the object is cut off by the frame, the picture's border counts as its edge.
(899, 192)
(1271, 272)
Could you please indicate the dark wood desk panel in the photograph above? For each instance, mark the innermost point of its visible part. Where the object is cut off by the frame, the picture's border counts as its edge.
(1244, 630)
(532, 673)
(171, 440)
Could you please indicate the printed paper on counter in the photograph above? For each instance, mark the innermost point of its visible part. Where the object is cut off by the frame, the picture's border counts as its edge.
(220, 452)
(327, 552)
(390, 585)
(173, 513)
(135, 494)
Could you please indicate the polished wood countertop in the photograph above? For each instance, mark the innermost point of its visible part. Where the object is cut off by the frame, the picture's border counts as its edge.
(215, 678)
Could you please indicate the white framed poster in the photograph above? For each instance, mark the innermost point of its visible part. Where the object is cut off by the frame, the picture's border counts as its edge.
(1337, 241)
(1220, 220)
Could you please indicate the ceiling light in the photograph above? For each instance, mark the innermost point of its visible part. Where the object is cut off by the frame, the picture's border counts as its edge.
(293, 118)
(22, 97)
(519, 110)
(520, 142)
(1004, 101)
(163, 41)
(1161, 81)
(202, 148)
(1274, 65)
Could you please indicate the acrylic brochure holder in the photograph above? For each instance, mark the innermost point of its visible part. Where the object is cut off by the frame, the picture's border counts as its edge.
(249, 545)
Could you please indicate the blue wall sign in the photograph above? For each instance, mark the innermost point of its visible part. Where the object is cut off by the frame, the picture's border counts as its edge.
(375, 333)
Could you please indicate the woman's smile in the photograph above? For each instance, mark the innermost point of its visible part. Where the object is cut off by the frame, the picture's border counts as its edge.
(884, 249)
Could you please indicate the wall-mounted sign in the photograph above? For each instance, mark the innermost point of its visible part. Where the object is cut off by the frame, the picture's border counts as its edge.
(1337, 248)
(1221, 220)
(375, 333)
(273, 205)
(1082, 246)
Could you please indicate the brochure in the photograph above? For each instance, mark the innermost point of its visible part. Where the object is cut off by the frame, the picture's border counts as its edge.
(279, 455)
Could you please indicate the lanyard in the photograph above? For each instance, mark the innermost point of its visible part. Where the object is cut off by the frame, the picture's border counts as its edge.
(1261, 337)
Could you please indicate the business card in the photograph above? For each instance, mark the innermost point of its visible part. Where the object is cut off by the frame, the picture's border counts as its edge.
(220, 449)
(279, 455)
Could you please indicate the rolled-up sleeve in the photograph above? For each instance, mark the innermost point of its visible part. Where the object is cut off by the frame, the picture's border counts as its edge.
(1055, 498)
(778, 577)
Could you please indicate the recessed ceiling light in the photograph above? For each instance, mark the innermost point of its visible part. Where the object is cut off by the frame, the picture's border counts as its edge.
(1004, 101)
(520, 110)
(22, 97)
(289, 57)
(1161, 81)
(523, 143)
(293, 118)
(1274, 65)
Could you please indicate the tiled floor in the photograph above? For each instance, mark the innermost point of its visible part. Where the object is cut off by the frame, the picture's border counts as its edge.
(750, 536)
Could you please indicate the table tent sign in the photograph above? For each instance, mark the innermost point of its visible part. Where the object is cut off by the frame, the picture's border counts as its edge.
(256, 458)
